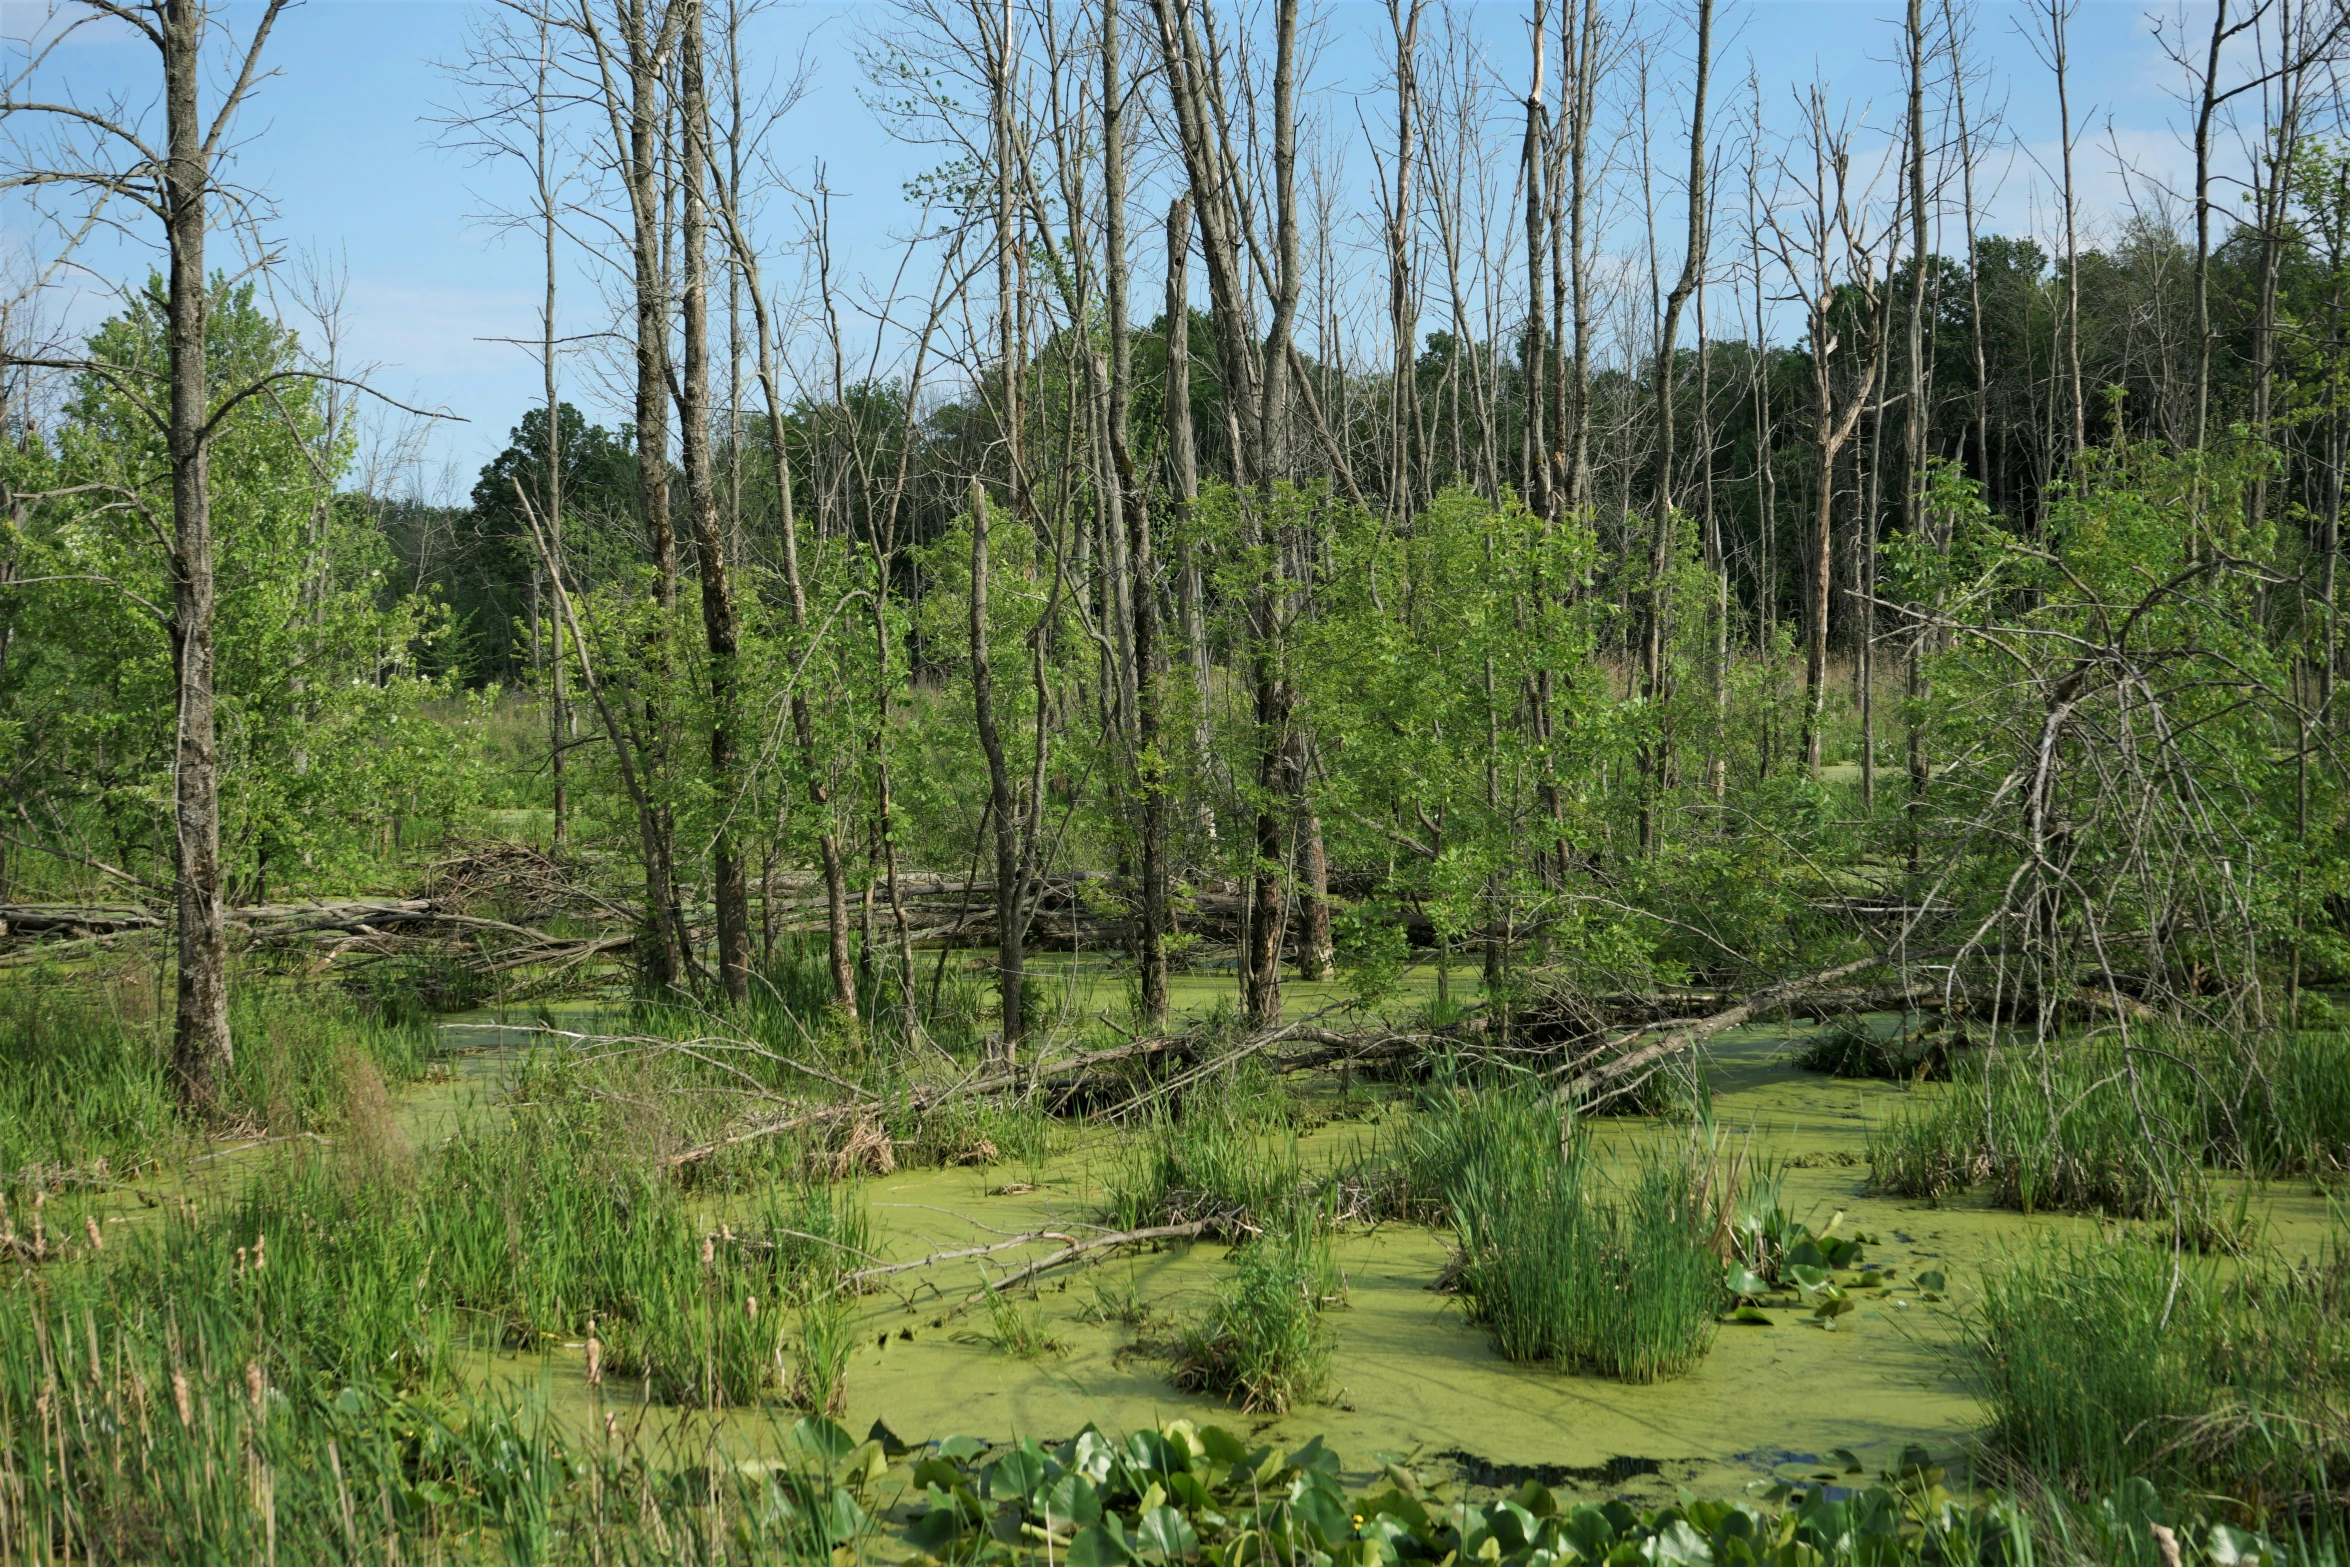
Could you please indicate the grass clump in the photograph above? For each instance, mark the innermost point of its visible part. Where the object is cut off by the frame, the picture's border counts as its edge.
(1207, 1163)
(2123, 1126)
(1624, 1282)
(2094, 1126)
(85, 1079)
(1264, 1343)
(2106, 1363)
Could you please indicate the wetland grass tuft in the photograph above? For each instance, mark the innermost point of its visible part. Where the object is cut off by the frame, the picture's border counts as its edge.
(1208, 1162)
(2101, 1363)
(84, 1075)
(1264, 1344)
(1624, 1282)
(2127, 1129)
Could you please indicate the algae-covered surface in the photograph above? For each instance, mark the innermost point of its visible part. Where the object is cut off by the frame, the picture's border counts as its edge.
(1413, 1376)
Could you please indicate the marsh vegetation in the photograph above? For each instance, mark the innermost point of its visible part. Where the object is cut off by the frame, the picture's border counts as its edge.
(1699, 920)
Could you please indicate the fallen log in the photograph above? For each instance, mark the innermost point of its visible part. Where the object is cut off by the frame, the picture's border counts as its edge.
(1578, 1090)
(1076, 1249)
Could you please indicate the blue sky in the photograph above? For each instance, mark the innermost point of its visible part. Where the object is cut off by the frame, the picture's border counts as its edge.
(343, 143)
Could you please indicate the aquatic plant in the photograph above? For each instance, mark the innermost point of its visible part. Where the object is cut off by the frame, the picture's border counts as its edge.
(2123, 1126)
(1205, 1164)
(1264, 1343)
(1015, 1322)
(2098, 1126)
(1560, 1266)
(1186, 1492)
(2101, 1362)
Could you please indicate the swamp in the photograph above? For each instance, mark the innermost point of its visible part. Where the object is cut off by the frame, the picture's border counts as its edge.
(1205, 785)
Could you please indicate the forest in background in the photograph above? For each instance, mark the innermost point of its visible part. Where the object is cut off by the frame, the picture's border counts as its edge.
(1835, 578)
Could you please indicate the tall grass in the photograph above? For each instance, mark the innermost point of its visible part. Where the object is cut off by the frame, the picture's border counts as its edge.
(1207, 1162)
(548, 1229)
(1560, 1266)
(2101, 1362)
(2128, 1129)
(85, 1074)
(1264, 1343)
(198, 1399)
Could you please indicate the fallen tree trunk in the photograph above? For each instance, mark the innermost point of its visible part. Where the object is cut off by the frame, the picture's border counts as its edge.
(1679, 1037)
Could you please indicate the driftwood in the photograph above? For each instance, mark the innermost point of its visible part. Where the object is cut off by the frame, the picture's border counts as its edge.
(1632, 1056)
(1077, 1249)
(327, 931)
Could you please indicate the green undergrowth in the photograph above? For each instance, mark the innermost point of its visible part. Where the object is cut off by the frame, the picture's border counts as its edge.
(1623, 1278)
(85, 1076)
(1186, 1493)
(1264, 1344)
(2106, 1362)
(2127, 1128)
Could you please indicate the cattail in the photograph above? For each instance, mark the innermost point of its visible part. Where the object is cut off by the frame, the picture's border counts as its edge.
(256, 1389)
(751, 1307)
(595, 1356)
(709, 1251)
(611, 1427)
(726, 1233)
(40, 1229)
(259, 1241)
(97, 1241)
(179, 1396)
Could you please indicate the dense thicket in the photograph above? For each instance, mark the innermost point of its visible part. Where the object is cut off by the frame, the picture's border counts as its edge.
(1884, 583)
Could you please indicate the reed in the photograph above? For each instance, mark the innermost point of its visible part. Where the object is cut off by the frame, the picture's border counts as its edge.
(1560, 1266)
(1264, 1343)
(2125, 1127)
(2106, 1363)
(1208, 1162)
(2095, 1126)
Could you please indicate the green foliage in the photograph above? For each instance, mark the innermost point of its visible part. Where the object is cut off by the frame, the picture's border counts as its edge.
(1188, 1492)
(1264, 1344)
(2103, 1361)
(1625, 1283)
(321, 703)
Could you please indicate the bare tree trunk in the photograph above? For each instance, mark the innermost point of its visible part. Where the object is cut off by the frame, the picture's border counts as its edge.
(201, 1048)
(1534, 463)
(1149, 765)
(635, 114)
(1660, 547)
(728, 888)
(1011, 953)
(1582, 108)
(836, 880)
(1913, 448)
(2059, 14)
(1183, 479)
(1405, 436)
(542, 169)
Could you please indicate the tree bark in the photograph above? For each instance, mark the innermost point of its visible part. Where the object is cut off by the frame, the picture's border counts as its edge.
(202, 1051)
(729, 890)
